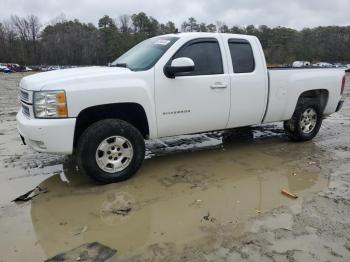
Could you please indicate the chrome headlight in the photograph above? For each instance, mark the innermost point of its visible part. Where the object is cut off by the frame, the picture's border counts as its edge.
(50, 104)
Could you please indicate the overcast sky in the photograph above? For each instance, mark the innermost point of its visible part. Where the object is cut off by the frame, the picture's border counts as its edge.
(292, 13)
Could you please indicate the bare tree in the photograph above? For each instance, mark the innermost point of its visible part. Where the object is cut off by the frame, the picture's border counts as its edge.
(61, 18)
(125, 23)
(34, 30)
(27, 29)
(221, 27)
(21, 26)
(34, 27)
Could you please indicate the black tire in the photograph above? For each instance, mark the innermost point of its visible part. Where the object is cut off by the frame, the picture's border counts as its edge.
(293, 127)
(93, 137)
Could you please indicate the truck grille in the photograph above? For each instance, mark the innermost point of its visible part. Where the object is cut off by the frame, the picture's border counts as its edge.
(24, 96)
(25, 110)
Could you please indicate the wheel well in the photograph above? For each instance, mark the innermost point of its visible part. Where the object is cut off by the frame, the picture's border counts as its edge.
(320, 95)
(132, 113)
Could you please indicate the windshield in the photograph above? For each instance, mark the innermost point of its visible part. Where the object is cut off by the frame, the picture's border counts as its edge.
(144, 55)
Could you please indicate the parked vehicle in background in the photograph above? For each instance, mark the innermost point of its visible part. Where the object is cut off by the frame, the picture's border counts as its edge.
(301, 64)
(3, 68)
(50, 68)
(323, 64)
(10, 68)
(165, 86)
(43, 68)
(338, 65)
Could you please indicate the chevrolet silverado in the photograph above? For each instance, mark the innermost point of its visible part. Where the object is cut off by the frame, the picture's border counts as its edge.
(165, 86)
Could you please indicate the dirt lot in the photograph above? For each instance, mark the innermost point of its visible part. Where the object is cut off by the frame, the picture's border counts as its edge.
(207, 197)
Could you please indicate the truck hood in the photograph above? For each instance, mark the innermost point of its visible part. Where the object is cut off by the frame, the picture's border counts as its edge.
(58, 79)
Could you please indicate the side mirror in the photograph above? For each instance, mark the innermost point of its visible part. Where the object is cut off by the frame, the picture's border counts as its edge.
(179, 65)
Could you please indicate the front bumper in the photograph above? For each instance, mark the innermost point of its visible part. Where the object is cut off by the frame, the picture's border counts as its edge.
(47, 135)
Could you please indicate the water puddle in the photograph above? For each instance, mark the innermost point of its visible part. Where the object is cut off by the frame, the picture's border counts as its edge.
(175, 198)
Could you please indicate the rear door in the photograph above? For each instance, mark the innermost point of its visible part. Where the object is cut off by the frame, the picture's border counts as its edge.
(248, 77)
(196, 101)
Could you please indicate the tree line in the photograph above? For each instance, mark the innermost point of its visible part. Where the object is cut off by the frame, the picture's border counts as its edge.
(25, 40)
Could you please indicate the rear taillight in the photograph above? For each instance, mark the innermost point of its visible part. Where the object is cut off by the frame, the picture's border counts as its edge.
(342, 86)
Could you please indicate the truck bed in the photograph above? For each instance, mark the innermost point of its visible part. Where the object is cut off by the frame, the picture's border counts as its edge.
(286, 84)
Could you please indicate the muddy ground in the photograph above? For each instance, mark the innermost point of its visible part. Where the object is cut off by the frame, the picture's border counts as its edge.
(206, 197)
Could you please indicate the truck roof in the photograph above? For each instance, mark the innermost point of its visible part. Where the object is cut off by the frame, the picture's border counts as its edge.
(209, 34)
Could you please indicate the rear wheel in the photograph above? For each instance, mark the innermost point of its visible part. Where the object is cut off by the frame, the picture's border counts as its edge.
(110, 150)
(305, 123)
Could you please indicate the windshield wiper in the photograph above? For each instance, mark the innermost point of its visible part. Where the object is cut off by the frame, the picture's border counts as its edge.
(121, 65)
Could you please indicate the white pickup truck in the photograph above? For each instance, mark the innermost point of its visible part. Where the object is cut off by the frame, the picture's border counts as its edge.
(169, 85)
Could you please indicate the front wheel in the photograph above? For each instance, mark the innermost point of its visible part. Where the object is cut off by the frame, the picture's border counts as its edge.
(110, 150)
(305, 123)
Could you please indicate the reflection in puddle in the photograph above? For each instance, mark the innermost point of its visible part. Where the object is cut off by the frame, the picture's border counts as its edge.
(175, 198)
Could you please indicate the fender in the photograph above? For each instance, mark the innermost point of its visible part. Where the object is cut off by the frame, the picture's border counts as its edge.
(86, 91)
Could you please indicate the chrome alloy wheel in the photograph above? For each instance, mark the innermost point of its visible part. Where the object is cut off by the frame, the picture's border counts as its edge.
(114, 154)
(308, 120)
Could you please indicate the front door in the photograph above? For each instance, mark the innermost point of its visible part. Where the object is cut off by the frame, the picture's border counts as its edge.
(197, 101)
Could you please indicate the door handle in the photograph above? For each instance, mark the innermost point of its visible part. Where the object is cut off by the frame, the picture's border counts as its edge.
(218, 86)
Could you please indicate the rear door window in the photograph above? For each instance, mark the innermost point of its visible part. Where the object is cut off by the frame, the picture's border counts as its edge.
(241, 55)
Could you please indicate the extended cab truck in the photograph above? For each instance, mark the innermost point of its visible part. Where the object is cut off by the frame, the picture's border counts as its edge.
(169, 85)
